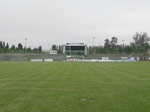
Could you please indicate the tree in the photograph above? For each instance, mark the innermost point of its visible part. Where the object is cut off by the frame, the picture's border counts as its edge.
(107, 43)
(13, 47)
(20, 47)
(54, 47)
(40, 49)
(107, 46)
(140, 42)
(114, 41)
(35, 50)
(29, 50)
(7, 46)
(1, 44)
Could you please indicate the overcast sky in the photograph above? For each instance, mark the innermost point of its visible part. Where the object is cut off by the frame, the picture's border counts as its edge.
(62, 21)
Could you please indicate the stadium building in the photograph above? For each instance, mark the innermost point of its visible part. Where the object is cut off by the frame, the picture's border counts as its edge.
(75, 50)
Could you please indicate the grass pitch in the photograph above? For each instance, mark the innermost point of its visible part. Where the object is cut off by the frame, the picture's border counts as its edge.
(74, 87)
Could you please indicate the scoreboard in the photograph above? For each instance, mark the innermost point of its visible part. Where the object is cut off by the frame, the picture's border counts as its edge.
(75, 49)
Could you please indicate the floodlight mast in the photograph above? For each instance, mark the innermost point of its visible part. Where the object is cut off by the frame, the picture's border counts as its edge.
(93, 41)
(123, 42)
(93, 44)
(49, 47)
(123, 45)
(25, 45)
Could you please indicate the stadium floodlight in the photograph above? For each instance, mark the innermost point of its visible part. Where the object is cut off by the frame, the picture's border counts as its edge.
(93, 40)
(123, 43)
(49, 47)
(25, 44)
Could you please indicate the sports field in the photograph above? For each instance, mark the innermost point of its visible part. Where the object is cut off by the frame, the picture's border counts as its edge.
(74, 87)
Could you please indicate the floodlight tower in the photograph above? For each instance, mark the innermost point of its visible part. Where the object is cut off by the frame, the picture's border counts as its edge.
(93, 40)
(99, 47)
(25, 44)
(123, 45)
(93, 44)
(49, 47)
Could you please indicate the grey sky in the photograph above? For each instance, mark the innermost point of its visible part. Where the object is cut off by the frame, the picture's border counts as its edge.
(61, 21)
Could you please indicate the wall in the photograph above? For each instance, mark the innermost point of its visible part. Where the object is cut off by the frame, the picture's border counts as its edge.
(58, 57)
(22, 57)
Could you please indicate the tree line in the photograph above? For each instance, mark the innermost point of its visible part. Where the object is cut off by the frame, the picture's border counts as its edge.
(6, 48)
(139, 45)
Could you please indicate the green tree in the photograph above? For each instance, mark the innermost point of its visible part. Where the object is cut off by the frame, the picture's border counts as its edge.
(140, 42)
(54, 47)
(13, 47)
(20, 47)
(7, 46)
(1, 44)
(113, 44)
(40, 49)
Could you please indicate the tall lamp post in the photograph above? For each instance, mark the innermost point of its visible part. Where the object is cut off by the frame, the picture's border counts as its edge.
(25, 45)
(99, 48)
(49, 47)
(93, 41)
(123, 45)
(93, 44)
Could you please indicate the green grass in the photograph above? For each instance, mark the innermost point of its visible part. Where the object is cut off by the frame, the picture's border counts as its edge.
(74, 87)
